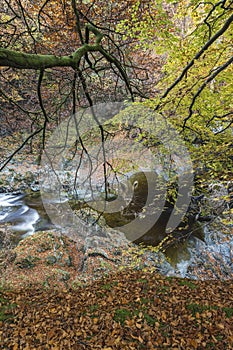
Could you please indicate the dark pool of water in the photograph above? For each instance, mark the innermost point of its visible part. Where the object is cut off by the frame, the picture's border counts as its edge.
(25, 214)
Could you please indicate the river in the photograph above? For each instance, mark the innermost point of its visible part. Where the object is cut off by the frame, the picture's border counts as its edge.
(24, 212)
(211, 250)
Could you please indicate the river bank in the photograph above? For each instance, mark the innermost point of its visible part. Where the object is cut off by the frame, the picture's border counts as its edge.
(52, 258)
(208, 256)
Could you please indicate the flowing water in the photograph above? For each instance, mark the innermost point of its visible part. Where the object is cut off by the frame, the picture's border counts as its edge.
(24, 213)
(206, 249)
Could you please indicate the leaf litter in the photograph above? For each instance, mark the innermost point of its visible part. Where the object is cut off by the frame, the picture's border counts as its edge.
(130, 309)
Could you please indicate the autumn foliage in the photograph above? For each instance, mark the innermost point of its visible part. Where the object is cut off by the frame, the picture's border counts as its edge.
(128, 310)
(176, 57)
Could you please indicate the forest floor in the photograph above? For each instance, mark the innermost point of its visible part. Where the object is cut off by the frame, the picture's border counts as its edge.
(122, 310)
(44, 307)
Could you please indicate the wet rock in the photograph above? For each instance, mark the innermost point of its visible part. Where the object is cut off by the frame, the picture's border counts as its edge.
(17, 177)
(29, 178)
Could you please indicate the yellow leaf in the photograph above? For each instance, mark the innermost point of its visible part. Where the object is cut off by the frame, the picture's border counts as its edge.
(164, 317)
(194, 343)
(221, 326)
(140, 339)
(95, 320)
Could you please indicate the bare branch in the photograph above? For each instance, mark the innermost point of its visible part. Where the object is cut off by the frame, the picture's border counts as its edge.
(20, 147)
(112, 59)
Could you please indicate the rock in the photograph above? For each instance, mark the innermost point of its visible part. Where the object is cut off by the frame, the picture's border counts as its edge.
(43, 247)
(63, 275)
(216, 200)
(68, 261)
(27, 262)
(51, 260)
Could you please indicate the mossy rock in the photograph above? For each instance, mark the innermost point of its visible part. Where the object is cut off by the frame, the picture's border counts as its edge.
(68, 261)
(63, 275)
(43, 247)
(27, 263)
(51, 260)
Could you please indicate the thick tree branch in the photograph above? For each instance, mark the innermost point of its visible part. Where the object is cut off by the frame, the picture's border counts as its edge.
(20, 60)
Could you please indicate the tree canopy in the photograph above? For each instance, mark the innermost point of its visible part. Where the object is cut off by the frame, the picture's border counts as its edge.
(176, 57)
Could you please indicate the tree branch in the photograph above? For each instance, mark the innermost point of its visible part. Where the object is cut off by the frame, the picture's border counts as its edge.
(201, 88)
(197, 56)
(20, 147)
(115, 61)
(20, 60)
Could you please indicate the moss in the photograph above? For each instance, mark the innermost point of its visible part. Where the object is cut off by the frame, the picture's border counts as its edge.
(68, 261)
(145, 300)
(94, 307)
(27, 263)
(107, 286)
(44, 246)
(142, 280)
(198, 308)
(63, 275)
(121, 315)
(6, 309)
(163, 289)
(150, 320)
(51, 260)
(228, 311)
(187, 283)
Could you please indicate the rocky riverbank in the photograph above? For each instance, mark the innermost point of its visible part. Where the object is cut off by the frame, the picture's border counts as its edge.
(51, 258)
(207, 257)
